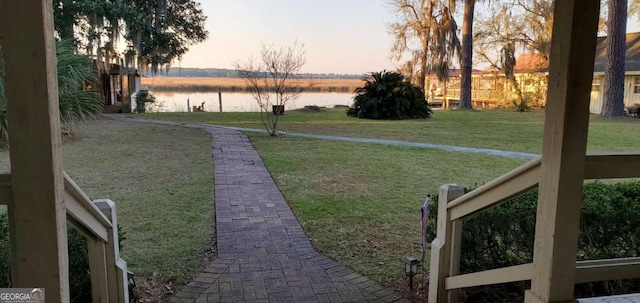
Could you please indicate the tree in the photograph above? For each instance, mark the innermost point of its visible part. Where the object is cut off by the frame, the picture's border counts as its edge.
(527, 24)
(524, 25)
(273, 82)
(466, 54)
(163, 30)
(389, 95)
(613, 82)
(157, 31)
(431, 24)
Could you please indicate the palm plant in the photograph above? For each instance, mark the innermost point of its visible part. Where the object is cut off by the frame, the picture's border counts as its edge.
(389, 95)
(78, 98)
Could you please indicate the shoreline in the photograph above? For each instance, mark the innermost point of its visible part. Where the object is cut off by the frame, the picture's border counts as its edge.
(220, 84)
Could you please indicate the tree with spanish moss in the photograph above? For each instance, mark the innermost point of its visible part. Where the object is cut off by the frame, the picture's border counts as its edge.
(430, 25)
(157, 31)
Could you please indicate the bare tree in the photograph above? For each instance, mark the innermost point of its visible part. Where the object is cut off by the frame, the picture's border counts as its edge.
(613, 82)
(273, 82)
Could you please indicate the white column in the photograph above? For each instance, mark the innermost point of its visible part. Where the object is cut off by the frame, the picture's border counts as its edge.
(563, 153)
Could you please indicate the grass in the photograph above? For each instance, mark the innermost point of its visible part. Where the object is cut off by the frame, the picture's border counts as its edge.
(161, 180)
(497, 129)
(360, 203)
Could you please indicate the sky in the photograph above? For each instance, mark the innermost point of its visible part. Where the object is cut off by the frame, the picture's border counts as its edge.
(339, 36)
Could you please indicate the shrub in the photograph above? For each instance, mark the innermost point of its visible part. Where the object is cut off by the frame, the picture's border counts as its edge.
(521, 106)
(142, 98)
(389, 95)
(79, 279)
(504, 236)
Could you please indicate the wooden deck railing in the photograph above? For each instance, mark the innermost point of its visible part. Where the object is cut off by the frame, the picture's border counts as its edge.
(97, 221)
(454, 206)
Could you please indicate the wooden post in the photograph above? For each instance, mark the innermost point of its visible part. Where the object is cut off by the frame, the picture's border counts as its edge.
(116, 268)
(188, 106)
(575, 26)
(37, 215)
(220, 100)
(98, 269)
(443, 257)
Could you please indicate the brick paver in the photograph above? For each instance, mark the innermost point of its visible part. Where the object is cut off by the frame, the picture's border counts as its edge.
(263, 252)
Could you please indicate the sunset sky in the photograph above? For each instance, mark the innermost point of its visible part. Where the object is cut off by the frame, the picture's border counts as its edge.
(340, 36)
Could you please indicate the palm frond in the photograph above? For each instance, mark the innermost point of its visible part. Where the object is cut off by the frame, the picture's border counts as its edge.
(76, 74)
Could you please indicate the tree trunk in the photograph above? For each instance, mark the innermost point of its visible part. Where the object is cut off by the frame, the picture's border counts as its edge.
(422, 76)
(467, 54)
(613, 99)
(425, 48)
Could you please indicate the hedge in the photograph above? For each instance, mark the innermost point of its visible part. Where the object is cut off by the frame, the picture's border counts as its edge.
(504, 235)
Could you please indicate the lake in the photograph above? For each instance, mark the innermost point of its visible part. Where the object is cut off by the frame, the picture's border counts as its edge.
(239, 102)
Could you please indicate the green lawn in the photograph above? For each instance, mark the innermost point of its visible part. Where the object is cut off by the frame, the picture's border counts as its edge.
(360, 203)
(497, 129)
(161, 180)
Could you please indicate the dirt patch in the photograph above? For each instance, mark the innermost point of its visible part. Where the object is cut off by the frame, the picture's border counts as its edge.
(152, 289)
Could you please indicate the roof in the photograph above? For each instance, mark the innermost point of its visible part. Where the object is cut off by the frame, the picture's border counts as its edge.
(531, 62)
(632, 62)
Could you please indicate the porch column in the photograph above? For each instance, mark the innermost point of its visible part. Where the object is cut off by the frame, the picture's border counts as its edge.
(37, 216)
(563, 154)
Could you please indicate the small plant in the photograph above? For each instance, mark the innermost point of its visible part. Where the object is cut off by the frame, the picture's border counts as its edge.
(272, 81)
(521, 106)
(142, 98)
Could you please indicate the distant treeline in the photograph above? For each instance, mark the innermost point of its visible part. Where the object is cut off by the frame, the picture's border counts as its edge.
(232, 73)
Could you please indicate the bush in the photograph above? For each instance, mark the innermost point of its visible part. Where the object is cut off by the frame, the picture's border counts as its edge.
(142, 98)
(389, 95)
(504, 236)
(521, 106)
(79, 279)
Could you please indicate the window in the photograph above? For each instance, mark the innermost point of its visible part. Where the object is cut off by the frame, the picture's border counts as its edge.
(595, 85)
(636, 84)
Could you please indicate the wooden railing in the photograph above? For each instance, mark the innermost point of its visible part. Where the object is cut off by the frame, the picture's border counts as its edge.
(454, 206)
(97, 221)
(478, 94)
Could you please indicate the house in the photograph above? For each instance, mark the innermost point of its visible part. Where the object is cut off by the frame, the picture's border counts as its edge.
(119, 84)
(490, 89)
(631, 78)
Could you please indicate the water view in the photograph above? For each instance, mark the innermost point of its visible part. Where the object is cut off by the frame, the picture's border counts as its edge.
(239, 102)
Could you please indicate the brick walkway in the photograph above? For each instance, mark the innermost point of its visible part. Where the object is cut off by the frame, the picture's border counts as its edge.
(263, 253)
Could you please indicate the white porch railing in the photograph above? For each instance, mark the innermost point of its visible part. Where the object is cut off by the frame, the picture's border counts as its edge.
(454, 205)
(97, 221)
